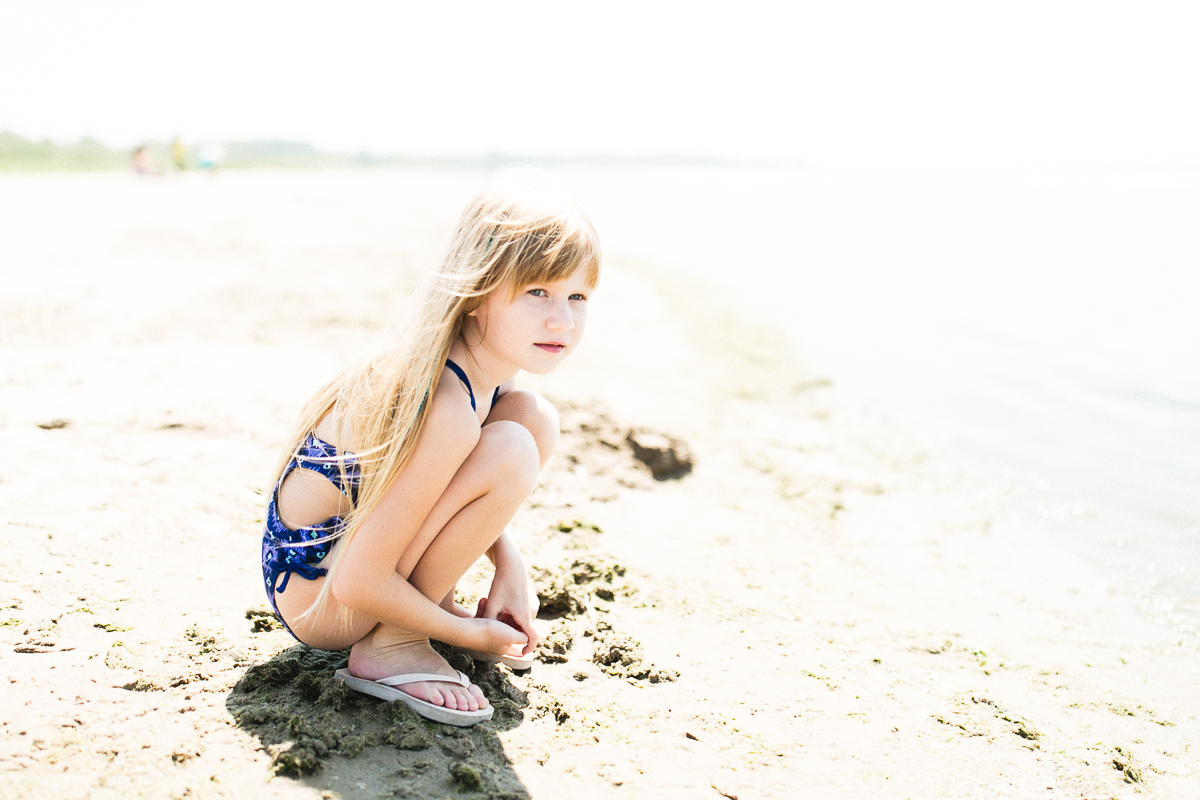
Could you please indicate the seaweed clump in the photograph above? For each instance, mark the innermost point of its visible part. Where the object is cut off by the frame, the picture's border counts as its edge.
(305, 716)
(567, 591)
(621, 656)
(572, 590)
(557, 597)
(552, 649)
(262, 620)
(466, 777)
(666, 456)
(1124, 763)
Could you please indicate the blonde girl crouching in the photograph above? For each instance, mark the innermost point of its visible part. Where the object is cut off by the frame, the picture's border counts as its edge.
(406, 468)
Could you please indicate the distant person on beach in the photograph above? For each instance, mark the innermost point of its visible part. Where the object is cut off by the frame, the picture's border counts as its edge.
(405, 468)
(142, 163)
(210, 156)
(179, 154)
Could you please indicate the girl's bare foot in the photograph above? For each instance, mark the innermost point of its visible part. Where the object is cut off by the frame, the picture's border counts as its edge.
(385, 652)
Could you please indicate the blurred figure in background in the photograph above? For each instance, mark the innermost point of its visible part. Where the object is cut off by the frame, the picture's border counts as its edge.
(179, 154)
(210, 156)
(143, 163)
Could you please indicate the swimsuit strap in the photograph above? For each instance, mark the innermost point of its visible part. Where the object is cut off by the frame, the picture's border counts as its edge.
(462, 376)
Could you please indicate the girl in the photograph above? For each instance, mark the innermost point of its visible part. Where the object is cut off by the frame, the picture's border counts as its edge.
(405, 469)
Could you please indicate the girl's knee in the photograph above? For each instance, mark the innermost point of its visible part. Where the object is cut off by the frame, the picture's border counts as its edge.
(509, 449)
(535, 414)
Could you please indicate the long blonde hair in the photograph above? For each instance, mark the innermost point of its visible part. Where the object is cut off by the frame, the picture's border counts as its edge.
(515, 233)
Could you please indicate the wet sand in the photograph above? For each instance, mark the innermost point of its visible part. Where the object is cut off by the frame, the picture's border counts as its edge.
(822, 607)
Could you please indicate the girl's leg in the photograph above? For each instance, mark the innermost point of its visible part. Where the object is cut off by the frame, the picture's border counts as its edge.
(534, 413)
(471, 514)
(480, 500)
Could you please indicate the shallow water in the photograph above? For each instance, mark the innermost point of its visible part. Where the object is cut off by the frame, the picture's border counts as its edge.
(1045, 323)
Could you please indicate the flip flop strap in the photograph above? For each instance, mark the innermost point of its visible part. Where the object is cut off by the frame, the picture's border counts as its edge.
(418, 677)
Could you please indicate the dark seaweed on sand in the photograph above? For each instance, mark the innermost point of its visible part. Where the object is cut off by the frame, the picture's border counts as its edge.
(306, 719)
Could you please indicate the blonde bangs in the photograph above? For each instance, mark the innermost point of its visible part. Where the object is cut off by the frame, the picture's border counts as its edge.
(523, 233)
(548, 257)
(557, 258)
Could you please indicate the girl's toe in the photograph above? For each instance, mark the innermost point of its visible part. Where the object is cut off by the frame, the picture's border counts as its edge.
(436, 697)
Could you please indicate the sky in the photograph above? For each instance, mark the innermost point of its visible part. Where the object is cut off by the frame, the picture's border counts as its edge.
(842, 83)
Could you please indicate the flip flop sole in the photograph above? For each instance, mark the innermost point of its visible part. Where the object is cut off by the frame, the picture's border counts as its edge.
(446, 716)
(512, 662)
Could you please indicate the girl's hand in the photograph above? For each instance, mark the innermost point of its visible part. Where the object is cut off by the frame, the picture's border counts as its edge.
(513, 601)
(492, 636)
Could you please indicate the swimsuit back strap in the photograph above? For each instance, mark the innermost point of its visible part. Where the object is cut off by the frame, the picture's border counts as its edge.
(462, 376)
(322, 458)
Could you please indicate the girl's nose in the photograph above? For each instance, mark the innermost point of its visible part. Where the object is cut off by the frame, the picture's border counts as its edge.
(561, 318)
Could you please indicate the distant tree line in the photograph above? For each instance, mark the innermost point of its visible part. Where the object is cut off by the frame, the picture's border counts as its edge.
(18, 154)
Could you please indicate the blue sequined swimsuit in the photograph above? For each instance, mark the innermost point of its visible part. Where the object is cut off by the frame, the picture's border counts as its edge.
(285, 551)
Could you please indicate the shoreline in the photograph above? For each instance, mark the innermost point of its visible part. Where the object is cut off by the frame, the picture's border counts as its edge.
(849, 615)
(994, 308)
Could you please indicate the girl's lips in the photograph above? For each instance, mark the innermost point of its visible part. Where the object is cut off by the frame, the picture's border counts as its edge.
(550, 347)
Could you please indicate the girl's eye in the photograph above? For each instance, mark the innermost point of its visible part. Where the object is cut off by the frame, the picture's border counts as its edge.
(537, 292)
(577, 297)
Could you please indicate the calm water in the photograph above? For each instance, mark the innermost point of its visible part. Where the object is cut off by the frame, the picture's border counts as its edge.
(1047, 323)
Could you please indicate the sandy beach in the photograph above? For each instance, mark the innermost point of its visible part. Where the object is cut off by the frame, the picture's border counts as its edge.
(823, 607)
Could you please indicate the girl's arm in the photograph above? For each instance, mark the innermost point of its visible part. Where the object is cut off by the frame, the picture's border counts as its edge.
(511, 599)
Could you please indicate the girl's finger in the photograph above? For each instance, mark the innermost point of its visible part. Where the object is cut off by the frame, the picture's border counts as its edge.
(531, 635)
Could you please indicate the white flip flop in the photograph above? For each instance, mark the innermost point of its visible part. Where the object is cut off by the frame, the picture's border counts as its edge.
(512, 662)
(384, 689)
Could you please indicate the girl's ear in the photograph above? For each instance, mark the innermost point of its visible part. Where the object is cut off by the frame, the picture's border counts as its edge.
(479, 303)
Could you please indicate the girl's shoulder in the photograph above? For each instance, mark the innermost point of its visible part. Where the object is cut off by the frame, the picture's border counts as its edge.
(451, 423)
(451, 428)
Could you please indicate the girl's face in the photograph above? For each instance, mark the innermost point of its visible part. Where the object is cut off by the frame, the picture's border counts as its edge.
(537, 327)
